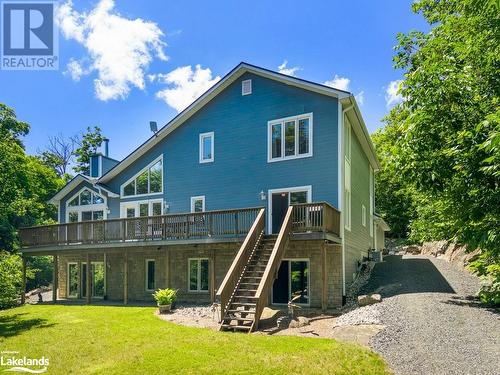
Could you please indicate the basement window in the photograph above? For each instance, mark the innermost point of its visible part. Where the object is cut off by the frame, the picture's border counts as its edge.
(198, 275)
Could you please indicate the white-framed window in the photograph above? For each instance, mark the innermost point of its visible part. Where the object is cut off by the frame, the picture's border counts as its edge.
(372, 200)
(198, 278)
(150, 275)
(290, 138)
(198, 204)
(363, 215)
(246, 87)
(207, 147)
(73, 280)
(86, 205)
(151, 207)
(148, 181)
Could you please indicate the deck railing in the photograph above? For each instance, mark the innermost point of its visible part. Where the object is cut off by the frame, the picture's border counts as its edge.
(200, 225)
(315, 217)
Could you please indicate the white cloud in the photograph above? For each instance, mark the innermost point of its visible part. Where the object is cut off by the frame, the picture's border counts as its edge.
(340, 83)
(360, 97)
(283, 69)
(185, 85)
(119, 49)
(391, 93)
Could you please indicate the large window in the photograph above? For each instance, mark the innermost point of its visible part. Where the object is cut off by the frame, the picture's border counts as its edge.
(198, 275)
(152, 207)
(86, 205)
(207, 147)
(290, 138)
(150, 274)
(148, 181)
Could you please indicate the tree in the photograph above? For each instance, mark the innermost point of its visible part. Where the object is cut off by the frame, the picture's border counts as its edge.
(88, 146)
(59, 153)
(448, 151)
(10, 127)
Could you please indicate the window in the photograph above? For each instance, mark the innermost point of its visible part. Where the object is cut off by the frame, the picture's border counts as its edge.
(246, 87)
(290, 138)
(363, 215)
(198, 204)
(143, 208)
(150, 274)
(198, 275)
(147, 181)
(207, 147)
(86, 205)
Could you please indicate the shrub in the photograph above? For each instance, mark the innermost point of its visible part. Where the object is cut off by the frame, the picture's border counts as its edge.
(11, 279)
(165, 296)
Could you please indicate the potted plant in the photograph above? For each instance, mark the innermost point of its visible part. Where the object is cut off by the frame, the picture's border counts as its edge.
(165, 298)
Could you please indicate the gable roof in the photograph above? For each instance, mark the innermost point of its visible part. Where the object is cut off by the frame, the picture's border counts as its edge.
(73, 183)
(211, 93)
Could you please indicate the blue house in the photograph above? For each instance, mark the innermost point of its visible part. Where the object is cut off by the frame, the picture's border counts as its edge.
(260, 192)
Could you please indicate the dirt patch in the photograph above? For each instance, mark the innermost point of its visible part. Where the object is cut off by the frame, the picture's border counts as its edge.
(200, 316)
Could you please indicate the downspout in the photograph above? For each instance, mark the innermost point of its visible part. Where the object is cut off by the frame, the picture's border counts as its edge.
(342, 190)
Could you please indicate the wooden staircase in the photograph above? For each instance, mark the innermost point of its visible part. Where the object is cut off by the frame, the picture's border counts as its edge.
(240, 312)
(245, 289)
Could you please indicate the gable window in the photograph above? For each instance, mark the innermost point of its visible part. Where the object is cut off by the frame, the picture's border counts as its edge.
(246, 87)
(363, 215)
(150, 274)
(147, 181)
(290, 138)
(207, 147)
(198, 204)
(198, 275)
(86, 205)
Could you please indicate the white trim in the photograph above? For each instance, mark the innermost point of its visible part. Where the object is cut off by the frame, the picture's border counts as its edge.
(289, 260)
(146, 168)
(198, 104)
(136, 205)
(146, 273)
(282, 121)
(249, 82)
(372, 200)
(212, 148)
(198, 276)
(199, 197)
(363, 215)
(68, 283)
(270, 192)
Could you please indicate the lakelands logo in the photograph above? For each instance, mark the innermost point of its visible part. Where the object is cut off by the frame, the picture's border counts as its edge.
(29, 36)
(12, 362)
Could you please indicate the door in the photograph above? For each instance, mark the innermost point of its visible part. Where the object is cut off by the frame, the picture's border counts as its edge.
(281, 286)
(279, 207)
(96, 280)
(292, 283)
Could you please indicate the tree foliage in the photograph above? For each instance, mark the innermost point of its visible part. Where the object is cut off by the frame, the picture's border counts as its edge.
(441, 146)
(88, 146)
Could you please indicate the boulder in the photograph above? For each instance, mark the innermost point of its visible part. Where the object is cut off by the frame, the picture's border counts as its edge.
(435, 248)
(369, 299)
(283, 322)
(301, 321)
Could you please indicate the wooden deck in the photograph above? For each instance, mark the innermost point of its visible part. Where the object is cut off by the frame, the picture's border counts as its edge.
(309, 221)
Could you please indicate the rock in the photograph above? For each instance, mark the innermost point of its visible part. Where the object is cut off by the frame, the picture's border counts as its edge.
(369, 299)
(301, 321)
(435, 248)
(411, 249)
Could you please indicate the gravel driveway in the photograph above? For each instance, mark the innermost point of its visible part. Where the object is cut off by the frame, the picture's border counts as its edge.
(433, 324)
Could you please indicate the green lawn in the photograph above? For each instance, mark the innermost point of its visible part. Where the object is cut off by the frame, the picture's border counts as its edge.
(127, 340)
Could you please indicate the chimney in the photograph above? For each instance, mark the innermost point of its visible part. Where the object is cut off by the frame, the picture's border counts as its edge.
(106, 147)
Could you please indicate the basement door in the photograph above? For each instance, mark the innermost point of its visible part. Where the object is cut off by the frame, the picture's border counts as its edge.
(96, 280)
(292, 283)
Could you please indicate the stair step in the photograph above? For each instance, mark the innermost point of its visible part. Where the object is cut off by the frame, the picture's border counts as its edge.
(249, 304)
(235, 328)
(248, 283)
(250, 312)
(238, 319)
(246, 290)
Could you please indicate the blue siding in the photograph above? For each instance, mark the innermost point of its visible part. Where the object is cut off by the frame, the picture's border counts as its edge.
(107, 164)
(94, 166)
(240, 170)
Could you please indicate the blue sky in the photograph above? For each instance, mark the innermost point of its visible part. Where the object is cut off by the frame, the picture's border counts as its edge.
(125, 63)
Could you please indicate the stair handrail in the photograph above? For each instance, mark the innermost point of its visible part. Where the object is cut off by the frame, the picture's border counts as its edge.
(230, 281)
(272, 267)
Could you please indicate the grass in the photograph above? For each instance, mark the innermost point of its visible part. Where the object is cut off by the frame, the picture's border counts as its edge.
(128, 340)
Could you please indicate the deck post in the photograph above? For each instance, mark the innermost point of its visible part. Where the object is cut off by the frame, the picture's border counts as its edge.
(105, 264)
(55, 279)
(324, 279)
(88, 285)
(212, 275)
(23, 286)
(125, 279)
(79, 271)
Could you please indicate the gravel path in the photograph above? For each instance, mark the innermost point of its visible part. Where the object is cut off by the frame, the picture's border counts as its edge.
(433, 324)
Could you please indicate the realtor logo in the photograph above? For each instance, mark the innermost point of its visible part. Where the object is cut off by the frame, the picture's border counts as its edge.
(29, 36)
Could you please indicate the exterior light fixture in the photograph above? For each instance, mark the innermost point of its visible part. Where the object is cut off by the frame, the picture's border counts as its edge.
(262, 195)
